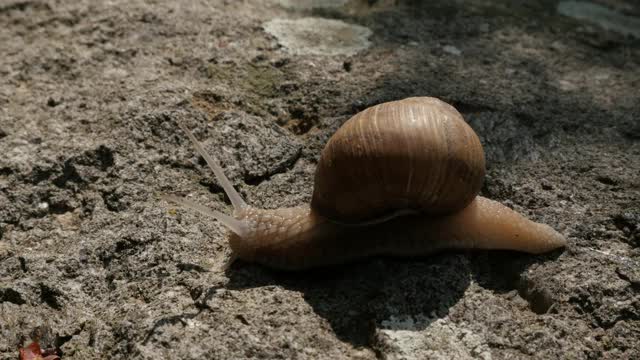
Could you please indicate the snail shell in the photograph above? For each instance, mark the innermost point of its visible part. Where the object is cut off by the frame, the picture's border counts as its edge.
(400, 178)
(413, 154)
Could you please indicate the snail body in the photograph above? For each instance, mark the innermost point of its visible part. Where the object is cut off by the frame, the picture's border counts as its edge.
(400, 179)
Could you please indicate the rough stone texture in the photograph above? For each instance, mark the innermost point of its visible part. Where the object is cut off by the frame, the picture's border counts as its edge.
(319, 36)
(602, 16)
(93, 263)
(310, 4)
(430, 338)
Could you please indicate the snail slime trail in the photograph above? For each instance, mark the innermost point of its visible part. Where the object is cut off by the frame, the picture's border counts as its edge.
(400, 178)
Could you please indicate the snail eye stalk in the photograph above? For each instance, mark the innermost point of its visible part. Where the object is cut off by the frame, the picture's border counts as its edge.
(237, 226)
(236, 200)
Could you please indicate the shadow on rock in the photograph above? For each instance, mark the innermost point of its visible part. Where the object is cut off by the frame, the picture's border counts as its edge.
(357, 297)
(501, 270)
(506, 271)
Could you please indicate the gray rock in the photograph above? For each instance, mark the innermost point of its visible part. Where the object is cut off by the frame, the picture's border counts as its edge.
(310, 4)
(601, 16)
(319, 36)
(92, 262)
(427, 338)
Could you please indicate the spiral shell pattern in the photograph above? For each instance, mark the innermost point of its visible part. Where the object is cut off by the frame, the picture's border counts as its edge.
(416, 154)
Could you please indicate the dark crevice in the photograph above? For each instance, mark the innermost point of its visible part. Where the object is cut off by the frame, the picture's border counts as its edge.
(540, 300)
(623, 315)
(607, 180)
(12, 296)
(194, 293)
(283, 168)
(216, 189)
(632, 276)
(101, 158)
(55, 205)
(127, 244)
(301, 120)
(104, 157)
(113, 200)
(60, 208)
(122, 248)
(39, 174)
(69, 174)
(61, 340)
(627, 220)
(6, 171)
(50, 296)
(201, 297)
(23, 6)
(190, 267)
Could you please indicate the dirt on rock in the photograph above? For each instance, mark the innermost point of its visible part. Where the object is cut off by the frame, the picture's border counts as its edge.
(93, 263)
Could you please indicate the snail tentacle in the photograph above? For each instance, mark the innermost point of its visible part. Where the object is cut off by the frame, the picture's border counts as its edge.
(236, 200)
(240, 227)
(237, 225)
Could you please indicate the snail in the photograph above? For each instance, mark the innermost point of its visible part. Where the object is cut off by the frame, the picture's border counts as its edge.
(398, 179)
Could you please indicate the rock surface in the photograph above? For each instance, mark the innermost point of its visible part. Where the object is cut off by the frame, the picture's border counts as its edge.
(319, 36)
(93, 263)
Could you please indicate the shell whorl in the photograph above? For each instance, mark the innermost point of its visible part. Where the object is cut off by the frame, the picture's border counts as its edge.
(412, 154)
